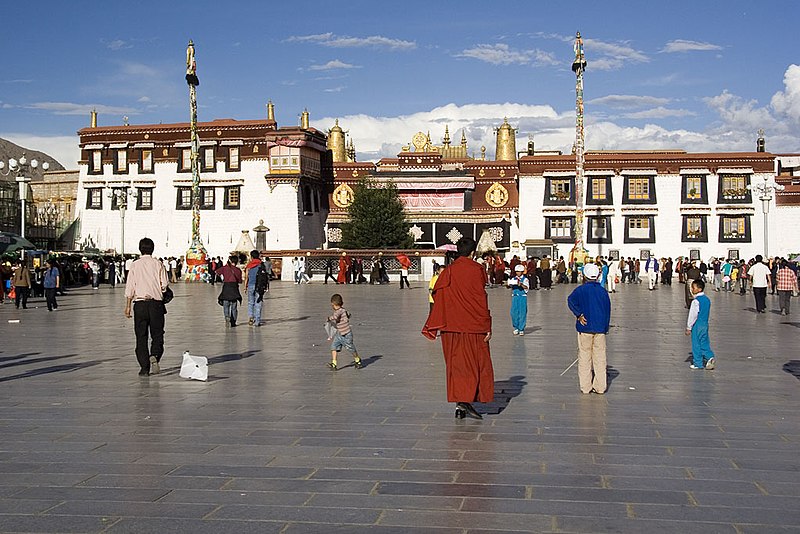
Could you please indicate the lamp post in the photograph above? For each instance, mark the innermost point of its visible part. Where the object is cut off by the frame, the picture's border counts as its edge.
(120, 196)
(765, 191)
(23, 170)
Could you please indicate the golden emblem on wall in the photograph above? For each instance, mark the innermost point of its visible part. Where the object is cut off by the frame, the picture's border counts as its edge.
(419, 141)
(343, 196)
(497, 195)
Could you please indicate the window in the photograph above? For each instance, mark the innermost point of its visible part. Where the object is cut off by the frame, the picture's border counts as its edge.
(186, 160)
(639, 188)
(206, 198)
(119, 197)
(233, 158)
(640, 229)
(94, 198)
(96, 162)
(560, 189)
(284, 159)
(599, 230)
(733, 188)
(209, 163)
(184, 201)
(144, 199)
(598, 189)
(694, 229)
(146, 162)
(232, 197)
(307, 207)
(559, 229)
(121, 161)
(734, 228)
(694, 187)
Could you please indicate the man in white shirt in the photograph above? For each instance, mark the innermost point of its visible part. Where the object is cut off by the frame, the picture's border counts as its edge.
(651, 268)
(760, 277)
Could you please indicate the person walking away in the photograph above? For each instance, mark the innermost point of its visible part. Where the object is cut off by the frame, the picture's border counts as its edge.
(112, 273)
(725, 269)
(95, 272)
(692, 273)
(302, 271)
(613, 274)
(760, 280)
(461, 315)
(436, 270)
(341, 276)
(637, 268)
(716, 265)
(531, 269)
(626, 271)
(230, 297)
(786, 285)
(519, 286)
(591, 306)
(743, 277)
(405, 265)
(344, 333)
(651, 270)
(697, 327)
(545, 273)
(22, 284)
(52, 278)
(255, 283)
(667, 276)
(144, 289)
(329, 271)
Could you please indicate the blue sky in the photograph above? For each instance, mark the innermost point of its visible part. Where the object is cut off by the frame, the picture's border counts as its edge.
(693, 75)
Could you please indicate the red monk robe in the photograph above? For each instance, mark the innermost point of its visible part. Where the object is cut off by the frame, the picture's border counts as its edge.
(461, 313)
(341, 277)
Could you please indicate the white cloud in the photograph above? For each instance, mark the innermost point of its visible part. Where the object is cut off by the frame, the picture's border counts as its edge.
(334, 64)
(343, 41)
(17, 81)
(602, 55)
(502, 54)
(338, 89)
(682, 45)
(144, 99)
(119, 44)
(659, 112)
(63, 148)
(628, 101)
(787, 102)
(71, 108)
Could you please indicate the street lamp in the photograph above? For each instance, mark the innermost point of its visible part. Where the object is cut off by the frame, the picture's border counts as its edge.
(119, 195)
(23, 170)
(765, 190)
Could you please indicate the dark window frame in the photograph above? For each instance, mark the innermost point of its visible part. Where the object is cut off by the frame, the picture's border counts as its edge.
(227, 201)
(117, 152)
(228, 166)
(590, 237)
(590, 200)
(652, 224)
(703, 199)
(140, 205)
(746, 238)
(180, 160)
(90, 166)
(703, 237)
(559, 239)
(549, 201)
(91, 205)
(178, 204)
(203, 152)
(152, 169)
(115, 197)
(652, 197)
(745, 198)
(213, 204)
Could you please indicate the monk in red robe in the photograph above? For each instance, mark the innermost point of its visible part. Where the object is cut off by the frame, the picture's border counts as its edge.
(341, 277)
(461, 315)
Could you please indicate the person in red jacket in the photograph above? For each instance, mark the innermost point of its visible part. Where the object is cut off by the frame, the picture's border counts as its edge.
(461, 315)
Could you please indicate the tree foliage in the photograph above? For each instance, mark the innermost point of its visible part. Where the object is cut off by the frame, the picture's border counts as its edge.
(377, 218)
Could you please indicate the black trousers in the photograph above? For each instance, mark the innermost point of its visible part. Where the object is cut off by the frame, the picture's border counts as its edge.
(21, 294)
(50, 296)
(404, 279)
(760, 293)
(148, 322)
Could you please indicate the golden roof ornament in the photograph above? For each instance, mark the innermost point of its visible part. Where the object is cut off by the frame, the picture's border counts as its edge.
(506, 142)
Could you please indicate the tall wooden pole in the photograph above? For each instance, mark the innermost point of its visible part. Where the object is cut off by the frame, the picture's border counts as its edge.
(578, 253)
(196, 255)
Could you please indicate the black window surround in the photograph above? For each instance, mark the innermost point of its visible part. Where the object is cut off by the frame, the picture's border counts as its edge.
(207, 198)
(591, 200)
(556, 199)
(94, 198)
(592, 234)
(233, 197)
(651, 238)
(651, 199)
(116, 194)
(728, 194)
(559, 239)
(142, 169)
(204, 154)
(181, 160)
(691, 195)
(737, 237)
(118, 169)
(144, 198)
(698, 236)
(93, 168)
(234, 156)
(184, 198)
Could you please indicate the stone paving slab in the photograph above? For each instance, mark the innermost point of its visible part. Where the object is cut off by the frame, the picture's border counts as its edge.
(274, 442)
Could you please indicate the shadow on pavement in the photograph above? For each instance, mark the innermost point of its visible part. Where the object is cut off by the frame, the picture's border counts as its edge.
(504, 391)
(796, 325)
(54, 369)
(611, 374)
(286, 320)
(231, 357)
(793, 368)
(18, 356)
(35, 360)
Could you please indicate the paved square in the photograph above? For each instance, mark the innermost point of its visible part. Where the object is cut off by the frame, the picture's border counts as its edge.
(275, 442)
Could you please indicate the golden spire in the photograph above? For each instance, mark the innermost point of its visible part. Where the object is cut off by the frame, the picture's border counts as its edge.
(446, 140)
(506, 142)
(270, 111)
(464, 137)
(93, 118)
(304, 120)
(337, 144)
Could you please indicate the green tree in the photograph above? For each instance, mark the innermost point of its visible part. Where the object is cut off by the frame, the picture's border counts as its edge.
(377, 218)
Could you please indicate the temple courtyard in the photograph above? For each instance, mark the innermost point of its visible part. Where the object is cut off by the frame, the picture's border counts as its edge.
(276, 442)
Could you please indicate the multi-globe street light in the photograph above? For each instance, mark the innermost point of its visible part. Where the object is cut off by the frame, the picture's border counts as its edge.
(765, 191)
(119, 196)
(23, 170)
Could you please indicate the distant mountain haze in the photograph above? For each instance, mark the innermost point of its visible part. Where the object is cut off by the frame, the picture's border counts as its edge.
(10, 150)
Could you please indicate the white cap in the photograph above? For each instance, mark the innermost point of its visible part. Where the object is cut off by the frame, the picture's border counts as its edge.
(519, 267)
(591, 271)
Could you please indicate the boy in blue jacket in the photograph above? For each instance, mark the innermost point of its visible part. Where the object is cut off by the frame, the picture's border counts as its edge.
(697, 327)
(592, 308)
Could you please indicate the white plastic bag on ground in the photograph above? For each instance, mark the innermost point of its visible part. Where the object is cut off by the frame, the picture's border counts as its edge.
(194, 367)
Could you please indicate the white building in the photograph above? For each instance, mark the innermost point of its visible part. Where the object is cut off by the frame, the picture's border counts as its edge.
(251, 171)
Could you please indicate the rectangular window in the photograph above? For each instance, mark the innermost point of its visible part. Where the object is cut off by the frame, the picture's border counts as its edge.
(96, 162)
(639, 227)
(184, 201)
(560, 189)
(734, 187)
(639, 188)
(733, 227)
(599, 188)
(695, 229)
(146, 163)
(232, 197)
(186, 159)
(560, 228)
(94, 199)
(144, 200)
(233, 158)
(599, 228)
(121, 161)
(119, 197)
(694, 187)
(209, 163)
(206, 198)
